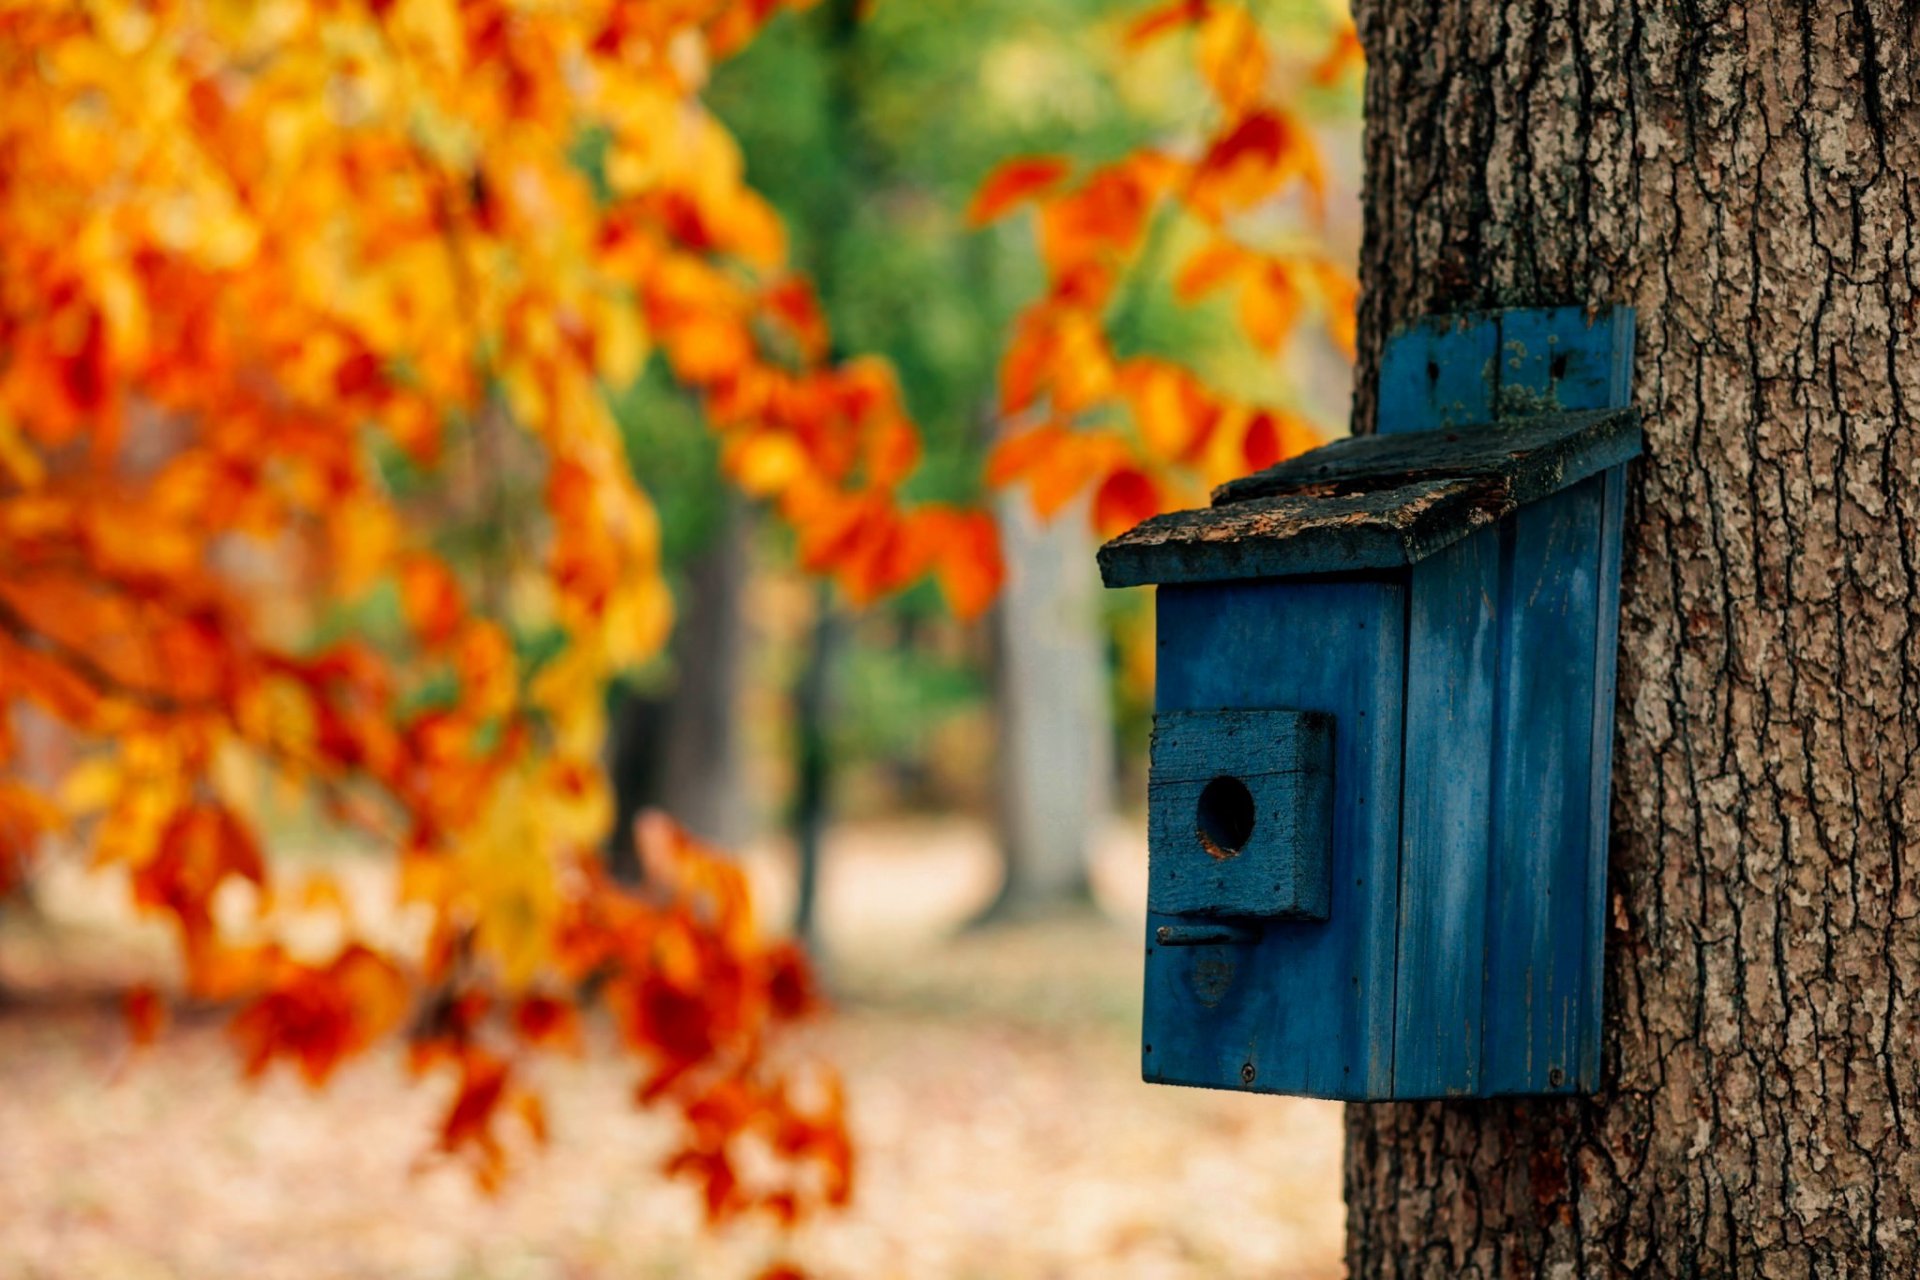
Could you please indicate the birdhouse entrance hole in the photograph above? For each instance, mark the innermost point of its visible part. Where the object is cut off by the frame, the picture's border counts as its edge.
(1225, 817)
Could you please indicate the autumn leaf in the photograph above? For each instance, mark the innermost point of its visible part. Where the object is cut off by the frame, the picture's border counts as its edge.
(1252, 161)
(1215, 264)
(1014, 182)
(1164, 18)
(1170, 406)
(1060, 360)
(145, 1013)
(1344, 56)
(1125, 498)
(965, 548)
(1233, 55)
(432, 599)
(1270, 304)
(265, 354)
(1105, 215)
(317, 1016)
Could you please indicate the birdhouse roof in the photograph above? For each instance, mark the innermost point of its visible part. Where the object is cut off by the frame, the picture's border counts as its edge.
(1372, 502)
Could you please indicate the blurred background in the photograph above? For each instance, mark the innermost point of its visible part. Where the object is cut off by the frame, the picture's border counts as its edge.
(950, 814)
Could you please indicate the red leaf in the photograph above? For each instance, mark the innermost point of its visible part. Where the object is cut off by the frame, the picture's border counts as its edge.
(1014, 181)
(1161, 19)
(1125, 498)
(146, 1014)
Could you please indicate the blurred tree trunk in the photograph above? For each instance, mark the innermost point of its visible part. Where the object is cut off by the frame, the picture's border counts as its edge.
(681, 751)
(831, 224)
(1055, 758)
(703, 783)
(1745, 175)
(813, 775)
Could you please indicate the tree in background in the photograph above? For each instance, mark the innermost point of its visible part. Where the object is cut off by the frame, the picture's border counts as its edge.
(310, 484)
(1095, 397)
(868, 134)
(872, 139)
(276, 282)
(1743, 177)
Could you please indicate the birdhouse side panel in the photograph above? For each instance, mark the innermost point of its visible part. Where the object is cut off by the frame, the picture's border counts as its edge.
(1539, 908)
(1613, 510)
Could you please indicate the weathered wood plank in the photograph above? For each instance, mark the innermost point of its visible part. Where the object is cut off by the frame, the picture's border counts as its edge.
(1439, 372)
(1295, 534)
(1538, 891)
(1536, 456)
(1445, 805)
(1306, 1008)
(1373, 502)
(1240, 814)
(1561, 359)
(1606, 641)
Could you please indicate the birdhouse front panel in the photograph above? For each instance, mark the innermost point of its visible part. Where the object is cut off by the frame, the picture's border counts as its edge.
(1285, 1005)
(1379, 777)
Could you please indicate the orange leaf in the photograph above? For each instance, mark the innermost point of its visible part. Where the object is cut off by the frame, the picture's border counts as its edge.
(763, 463)
(1163, 18)
(967, 560)
(1211, 266)
(1014, 455)
(1105, 215)
(1233, 56)
(318, 1016)
(431, 598)
(794, 304)
(1269, 306)
(544, 1020)
(1252, 161)
(1340, 295)
(1261, 443)
(1345, 55)
(1013, 181)
(198, 849)
(892, 451)
(1172, 409)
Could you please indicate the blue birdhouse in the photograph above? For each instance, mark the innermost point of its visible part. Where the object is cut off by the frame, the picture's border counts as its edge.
(1377, 798)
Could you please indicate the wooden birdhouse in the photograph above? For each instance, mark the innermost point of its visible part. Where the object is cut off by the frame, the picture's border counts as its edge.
(1380, 762)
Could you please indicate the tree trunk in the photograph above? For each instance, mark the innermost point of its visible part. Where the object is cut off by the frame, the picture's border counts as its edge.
(681, 751)
(1055, 760)
(813, 699)
(1746, 177)
(703, 783)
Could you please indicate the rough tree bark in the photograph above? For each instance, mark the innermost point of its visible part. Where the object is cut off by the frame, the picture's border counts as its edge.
(1746, 176)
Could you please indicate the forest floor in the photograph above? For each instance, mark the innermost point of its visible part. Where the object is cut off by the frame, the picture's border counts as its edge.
(992, 1074)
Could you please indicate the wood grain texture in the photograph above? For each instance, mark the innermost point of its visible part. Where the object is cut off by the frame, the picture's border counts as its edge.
(1308, 1007)
(1540, 893)
(1453, 639)
(1533, 457)
(1371, 503)
(1439, 371)
(1744, 175)
(1302, 534)
(1284, 759)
